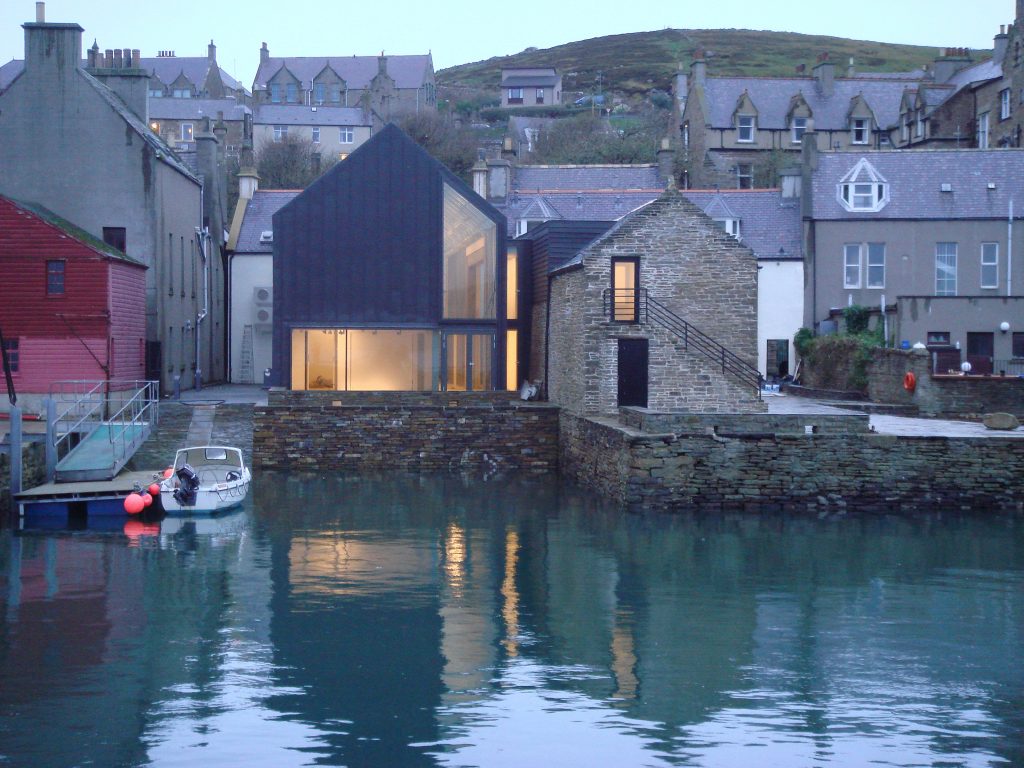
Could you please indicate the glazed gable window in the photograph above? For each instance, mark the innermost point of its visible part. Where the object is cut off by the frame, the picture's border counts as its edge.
(863, 189)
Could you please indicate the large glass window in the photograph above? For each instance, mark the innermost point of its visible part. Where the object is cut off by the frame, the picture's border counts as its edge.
(945, 269)
(511, 359)
(385, 359)
(512, 284)
(469, 259)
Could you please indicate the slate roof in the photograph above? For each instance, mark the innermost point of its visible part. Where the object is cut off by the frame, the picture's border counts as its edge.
(259, 214)
(280, 114)
(163, 151)
(167, 68)
(356, 71)
(767, 220)
(524, 81)
(195, 109)
(771, 96)
(579, 192)
(72, 231)
(164, 69)
(915, 178)
(983, 72)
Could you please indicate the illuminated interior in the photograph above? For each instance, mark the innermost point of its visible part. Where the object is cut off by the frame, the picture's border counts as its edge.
(390, 359)
(469, 245)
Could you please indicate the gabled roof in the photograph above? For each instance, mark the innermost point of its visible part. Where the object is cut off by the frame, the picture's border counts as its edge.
(163, 152)
(356, 71)
(524, 81)
(196, 109)
(768, 221)
(9, 73)
(167, 68)
(259, 214)
(915, 179)
(281, 114)
(14, 235)
(772, 95)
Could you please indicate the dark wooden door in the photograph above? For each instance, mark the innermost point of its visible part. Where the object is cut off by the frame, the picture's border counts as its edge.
(633, 372)
(980, 348)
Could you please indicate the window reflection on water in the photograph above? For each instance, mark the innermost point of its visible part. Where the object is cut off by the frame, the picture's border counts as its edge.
(420, 622)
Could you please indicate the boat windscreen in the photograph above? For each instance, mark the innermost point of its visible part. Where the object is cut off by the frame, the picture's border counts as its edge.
(203, 457)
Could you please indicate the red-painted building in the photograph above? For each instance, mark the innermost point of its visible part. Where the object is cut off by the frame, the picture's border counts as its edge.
(71, 306)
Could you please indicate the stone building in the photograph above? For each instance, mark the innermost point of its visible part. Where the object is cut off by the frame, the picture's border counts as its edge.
(626, 317)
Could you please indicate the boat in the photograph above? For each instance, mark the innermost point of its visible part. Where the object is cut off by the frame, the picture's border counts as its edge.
(205, 479)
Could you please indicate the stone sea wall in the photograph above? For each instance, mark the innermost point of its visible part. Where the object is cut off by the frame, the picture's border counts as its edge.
(487, 432)
(825, 470)
(33, 471)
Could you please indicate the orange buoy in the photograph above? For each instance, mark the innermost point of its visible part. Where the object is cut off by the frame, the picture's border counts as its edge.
(909, 382)
(133, 504)
(168, 472)
(147, 499)
(154, 490)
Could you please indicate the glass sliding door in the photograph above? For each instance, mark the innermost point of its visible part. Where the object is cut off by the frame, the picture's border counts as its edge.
(469, 362)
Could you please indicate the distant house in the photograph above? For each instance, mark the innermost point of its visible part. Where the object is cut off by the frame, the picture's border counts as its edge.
(251, 277)
(95, 162)
(178, 121)
(385, 87)
(730, 125)
(390, 274)
(930, 240)
(71, 306)
(335, 132)
(531, 87)
(646, 314)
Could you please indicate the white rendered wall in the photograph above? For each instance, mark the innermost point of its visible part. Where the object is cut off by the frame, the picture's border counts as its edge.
(249, 271)
(780, 306)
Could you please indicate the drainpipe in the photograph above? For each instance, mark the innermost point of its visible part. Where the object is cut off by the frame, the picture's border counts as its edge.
(1009, 251)
(202, 238)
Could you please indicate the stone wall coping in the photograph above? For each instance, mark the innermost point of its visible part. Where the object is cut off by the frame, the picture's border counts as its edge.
(510, 406)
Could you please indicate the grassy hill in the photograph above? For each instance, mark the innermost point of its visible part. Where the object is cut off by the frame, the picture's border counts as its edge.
(632, 64)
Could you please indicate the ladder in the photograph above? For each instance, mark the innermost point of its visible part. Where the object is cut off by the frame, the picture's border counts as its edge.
(247, 374)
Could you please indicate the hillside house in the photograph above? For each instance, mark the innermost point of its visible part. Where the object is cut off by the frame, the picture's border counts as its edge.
(531, 87)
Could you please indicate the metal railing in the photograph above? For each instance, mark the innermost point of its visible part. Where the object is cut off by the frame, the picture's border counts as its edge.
(617, 305)
(82, 406)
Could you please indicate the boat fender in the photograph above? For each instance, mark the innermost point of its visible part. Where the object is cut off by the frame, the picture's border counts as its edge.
(909, 382)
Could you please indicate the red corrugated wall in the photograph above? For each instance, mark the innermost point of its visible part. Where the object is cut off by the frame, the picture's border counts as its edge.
(66, 336)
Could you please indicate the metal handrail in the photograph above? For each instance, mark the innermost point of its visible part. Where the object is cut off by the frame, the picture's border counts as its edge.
(144, 400)
(651, 310)
(90, 400)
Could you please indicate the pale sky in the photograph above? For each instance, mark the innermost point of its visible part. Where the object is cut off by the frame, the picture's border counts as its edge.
(463, 31)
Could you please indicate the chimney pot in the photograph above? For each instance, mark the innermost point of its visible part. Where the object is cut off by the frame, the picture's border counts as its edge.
(136, 57)
(40, 13)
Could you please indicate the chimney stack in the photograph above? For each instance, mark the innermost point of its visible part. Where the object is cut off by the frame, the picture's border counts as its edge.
(698, 68)
(211, 52)
(825, 74)
(382, 63)
(666, 162)
(264, 54)
(999, 44)
(55, 49)
(40, 13)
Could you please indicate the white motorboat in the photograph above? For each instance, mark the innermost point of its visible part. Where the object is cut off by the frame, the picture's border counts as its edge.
(205, 479)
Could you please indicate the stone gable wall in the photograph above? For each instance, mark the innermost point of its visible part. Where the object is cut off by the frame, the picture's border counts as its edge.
(689, 265)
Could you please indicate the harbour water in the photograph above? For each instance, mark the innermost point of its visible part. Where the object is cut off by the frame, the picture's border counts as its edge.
(423, 622)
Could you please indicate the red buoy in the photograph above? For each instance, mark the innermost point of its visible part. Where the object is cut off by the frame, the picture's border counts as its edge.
(168, 472)
(147, 499)
(133, 504)
(154, 489)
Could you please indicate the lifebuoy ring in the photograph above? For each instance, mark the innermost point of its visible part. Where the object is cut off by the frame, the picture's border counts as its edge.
(909, 382)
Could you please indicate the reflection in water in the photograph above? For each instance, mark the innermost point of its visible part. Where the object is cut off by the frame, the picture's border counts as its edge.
(422, 622)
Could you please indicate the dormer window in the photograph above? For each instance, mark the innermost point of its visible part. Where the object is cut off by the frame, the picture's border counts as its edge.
(863, 189)
(860, 130)
(798, 127)
(731, 226)
(746, 126)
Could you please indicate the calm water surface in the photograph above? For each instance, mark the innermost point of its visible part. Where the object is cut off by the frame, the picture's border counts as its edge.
(437, 622)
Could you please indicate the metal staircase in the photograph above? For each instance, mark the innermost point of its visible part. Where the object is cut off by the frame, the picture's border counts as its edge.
(99, 425)
(650, 310)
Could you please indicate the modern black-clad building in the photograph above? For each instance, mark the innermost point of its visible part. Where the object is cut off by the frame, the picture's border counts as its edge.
(390, 273)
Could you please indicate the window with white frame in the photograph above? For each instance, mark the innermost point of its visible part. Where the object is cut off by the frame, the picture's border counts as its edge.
(919, 123)
(860, 130)
(318, 93)
(798, 126)
(744, 176)
(280, 132)
(851, 265)
(731, 226)
(945, 269)
(156, 93)
(876, 264)
(515, 95)
(182, 93)
(186, 132)
(1004, 104)
(863, 189)
(746, 128)
(905, 128)
(346, 135)
(539, 95)
(983, 130)
(990, 265)
(316, 135)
